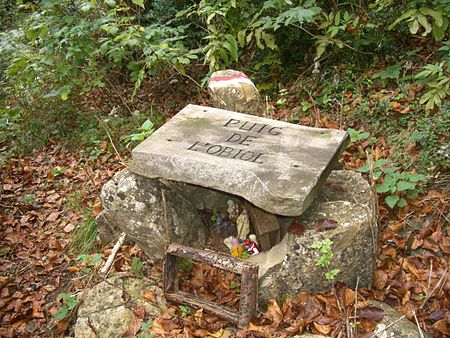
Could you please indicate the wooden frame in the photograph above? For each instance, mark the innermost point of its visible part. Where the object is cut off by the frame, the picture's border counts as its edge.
(249, 282)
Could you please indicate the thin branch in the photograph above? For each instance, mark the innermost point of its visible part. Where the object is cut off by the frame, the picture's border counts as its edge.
(417, 323)
(104, 271)
(387, 327)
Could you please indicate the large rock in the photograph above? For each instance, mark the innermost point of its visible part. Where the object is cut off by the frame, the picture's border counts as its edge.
(150, 212)
(248, 156)
(392, 326)
(104, 306)
(290, 266)
(233, 90)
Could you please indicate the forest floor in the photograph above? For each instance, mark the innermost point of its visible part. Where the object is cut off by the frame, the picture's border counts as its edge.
(47, 195)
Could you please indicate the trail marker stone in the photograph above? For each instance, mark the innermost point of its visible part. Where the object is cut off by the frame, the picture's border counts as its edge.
(233, 90)
(275, 165)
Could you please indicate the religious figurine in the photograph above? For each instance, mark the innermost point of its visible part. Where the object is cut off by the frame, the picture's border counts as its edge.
(243, 225)
(251, 247)
(237, 249)
(252, 237)
(233, 210)
(227, 242)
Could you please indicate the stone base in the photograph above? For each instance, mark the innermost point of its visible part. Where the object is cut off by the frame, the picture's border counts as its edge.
(290, 266)
(135, 205)
(150, 212)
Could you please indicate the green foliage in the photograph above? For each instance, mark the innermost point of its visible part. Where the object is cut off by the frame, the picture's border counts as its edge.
(144, 331)
(326, 253)
(438, 84)
(144, 131)
(429, 20)
(185, 310)
(83, 238)
(90, 260)
(356, 135)
(185, 264)
(137, 266)
(396, 185)
(69, 304)
(68, 47)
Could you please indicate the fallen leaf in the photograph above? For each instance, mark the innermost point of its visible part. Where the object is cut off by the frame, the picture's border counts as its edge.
(139, 311)
(216, 334)
(73, 269)
(296, 227)
(380, 279)
(68, 228)
(442, 326)
(149, 295)
(53, 216)
(371, 313)
(37, 312)
(322, 329)
(274, 312)
(325, 224)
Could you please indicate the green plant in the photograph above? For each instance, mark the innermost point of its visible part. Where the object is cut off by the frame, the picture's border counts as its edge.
(137, 266)
(69, 304)
(144, 331)
(235, 286)
(418, 18)
(437, 82)
(91, 261)
(326, 253)
(144, 131)
(185, 264)
(83, 238)
(185, 310)
(395, 184)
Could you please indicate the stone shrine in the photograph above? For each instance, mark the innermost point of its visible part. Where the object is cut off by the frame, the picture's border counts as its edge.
(252, 157)
(279, 172)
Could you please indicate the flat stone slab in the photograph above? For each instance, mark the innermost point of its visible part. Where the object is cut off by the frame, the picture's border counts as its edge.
(275, 165)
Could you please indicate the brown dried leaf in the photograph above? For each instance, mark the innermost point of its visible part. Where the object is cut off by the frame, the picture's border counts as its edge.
(53, 216)
(264, 331)
(322, 329)
(139, 311)
(371, 313)
(296, 227)
(274, 312)
(442, 326)
(380, 279)
(325, 224)
(149, 295)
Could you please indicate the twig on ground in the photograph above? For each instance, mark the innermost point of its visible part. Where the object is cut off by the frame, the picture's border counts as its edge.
(438, 285)
(417, 323)
(104, 271)
(112, 142)
(387, 327)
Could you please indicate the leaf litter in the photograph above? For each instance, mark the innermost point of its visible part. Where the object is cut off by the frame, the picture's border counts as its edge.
(35, 263)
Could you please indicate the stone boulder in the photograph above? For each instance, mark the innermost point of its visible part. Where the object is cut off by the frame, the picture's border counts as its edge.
(104, 306)
(233, 90)
(290, 266)
(392, 326)
(150, 212)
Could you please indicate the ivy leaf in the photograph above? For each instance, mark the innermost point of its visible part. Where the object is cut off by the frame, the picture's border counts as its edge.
(391, 200)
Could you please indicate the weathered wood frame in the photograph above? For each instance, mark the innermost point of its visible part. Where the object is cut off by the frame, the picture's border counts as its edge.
(249, 282)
